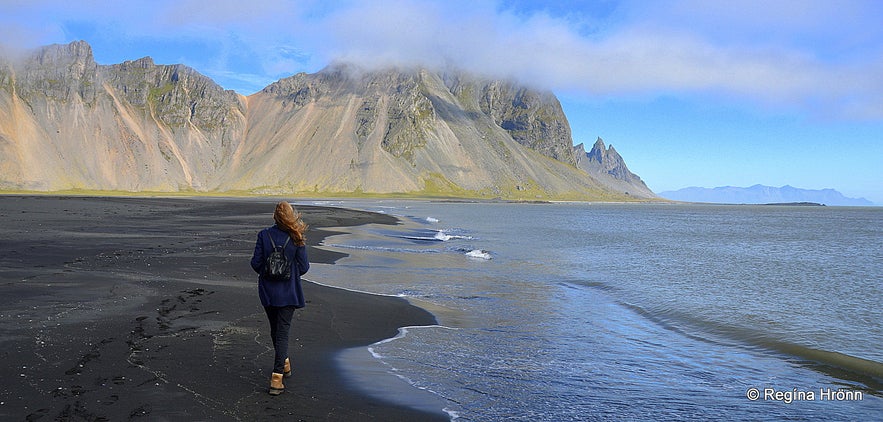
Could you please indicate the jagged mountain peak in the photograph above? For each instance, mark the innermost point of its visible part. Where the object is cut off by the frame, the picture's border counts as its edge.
(598, 152)
(604, 163)
(607, 157)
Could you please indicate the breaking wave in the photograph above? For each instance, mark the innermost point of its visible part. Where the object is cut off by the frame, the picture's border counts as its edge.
(479, 253)
(435, 236)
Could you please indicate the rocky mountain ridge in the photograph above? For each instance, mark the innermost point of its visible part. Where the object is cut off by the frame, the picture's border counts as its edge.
(604, 163)
(67, 122)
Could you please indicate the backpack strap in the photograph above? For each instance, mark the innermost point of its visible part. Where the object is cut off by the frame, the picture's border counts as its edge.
(272, 242)
(270, 235)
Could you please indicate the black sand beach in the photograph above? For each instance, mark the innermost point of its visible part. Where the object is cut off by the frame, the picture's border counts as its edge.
(147, 309)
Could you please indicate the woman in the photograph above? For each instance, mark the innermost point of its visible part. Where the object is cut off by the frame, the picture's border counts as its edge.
(281, 297)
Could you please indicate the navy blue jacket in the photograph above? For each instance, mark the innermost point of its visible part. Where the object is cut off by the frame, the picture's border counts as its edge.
(280, 293)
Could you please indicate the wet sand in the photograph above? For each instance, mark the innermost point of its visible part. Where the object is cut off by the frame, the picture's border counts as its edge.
(147, 309)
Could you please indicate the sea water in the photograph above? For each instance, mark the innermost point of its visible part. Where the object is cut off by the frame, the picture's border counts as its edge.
(574, 311)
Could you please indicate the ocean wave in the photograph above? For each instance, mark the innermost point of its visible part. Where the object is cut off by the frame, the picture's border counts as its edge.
(311, 280)
(851, 365)
(399, 393)
(402, 333)
(380, 248)
(409, 293)
(840, 365)
(473, 252)
(479, 253)
(435, 236)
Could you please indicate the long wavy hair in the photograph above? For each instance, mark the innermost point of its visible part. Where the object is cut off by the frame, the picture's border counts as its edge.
(289, 220)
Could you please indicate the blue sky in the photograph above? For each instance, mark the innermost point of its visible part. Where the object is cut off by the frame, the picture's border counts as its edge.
(690, 92)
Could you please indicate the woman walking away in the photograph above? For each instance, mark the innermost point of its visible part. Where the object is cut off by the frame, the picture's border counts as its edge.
(280, 290)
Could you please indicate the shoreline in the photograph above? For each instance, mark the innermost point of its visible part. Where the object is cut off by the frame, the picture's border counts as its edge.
(321, 196)
(111, 315)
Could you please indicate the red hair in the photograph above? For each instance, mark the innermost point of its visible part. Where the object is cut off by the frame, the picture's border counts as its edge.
(289, 220)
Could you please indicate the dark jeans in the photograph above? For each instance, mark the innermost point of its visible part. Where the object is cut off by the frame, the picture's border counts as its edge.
(280, 326)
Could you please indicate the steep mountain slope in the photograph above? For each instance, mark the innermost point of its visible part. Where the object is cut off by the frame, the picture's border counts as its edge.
(69, 123)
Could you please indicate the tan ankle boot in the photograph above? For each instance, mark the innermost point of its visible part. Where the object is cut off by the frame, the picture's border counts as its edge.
(276, 387)
(287, 371)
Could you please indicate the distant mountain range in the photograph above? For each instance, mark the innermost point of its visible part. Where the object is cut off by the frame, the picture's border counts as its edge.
(68, 123)
(760, 194)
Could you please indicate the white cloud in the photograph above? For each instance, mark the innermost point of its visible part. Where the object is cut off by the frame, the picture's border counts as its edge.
(802, 54)
(659, 47)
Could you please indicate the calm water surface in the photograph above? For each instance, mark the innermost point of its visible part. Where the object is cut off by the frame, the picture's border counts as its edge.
(623, 312)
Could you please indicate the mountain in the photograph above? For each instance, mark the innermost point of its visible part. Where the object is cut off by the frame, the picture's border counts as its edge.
(607, 166)
(759, 194)
(68, 123)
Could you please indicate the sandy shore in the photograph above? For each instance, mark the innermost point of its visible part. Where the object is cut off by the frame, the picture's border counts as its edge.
(131, 308)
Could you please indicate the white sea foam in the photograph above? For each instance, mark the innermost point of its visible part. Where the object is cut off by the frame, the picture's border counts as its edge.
(431, 219)
(479, 253)
(374, 353)
(439, 236)
(311, 280)
(445, 235)
(403, 332)
(380, 248)
(410, 393)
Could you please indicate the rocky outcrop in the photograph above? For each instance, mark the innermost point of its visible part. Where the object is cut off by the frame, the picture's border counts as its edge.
(62, 73)
(177, 95)
(69, 123)
(608, 167)
(532, 118)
